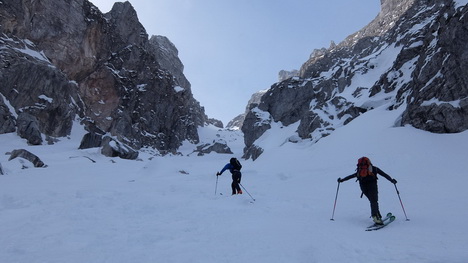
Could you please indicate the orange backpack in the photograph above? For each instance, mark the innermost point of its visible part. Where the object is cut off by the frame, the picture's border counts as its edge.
(364, 167)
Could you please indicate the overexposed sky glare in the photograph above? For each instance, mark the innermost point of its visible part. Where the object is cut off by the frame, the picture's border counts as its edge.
(231, 49)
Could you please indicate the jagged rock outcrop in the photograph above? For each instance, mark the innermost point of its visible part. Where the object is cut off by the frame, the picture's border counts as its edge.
(215, 122)
(284, 74)
(32, 85)
(217, 147)
(28, 128)
(7, 120)
(412, 55)
(437, 100)
(36, 161)
(256, 122)
(114, 148)
(167, 57)
(62, 59)
(91, 140)
(238, 121)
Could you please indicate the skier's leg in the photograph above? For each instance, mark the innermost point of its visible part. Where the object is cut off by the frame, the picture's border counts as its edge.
(373, 196)
(233, 185)
(238, 177)
(370, 191)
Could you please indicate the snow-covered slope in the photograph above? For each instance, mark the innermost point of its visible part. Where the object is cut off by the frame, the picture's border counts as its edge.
(164, 209)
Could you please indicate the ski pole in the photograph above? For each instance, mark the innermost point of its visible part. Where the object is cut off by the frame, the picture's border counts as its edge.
(216, 188)
(334, 206)
(398, 193)
(246, 191)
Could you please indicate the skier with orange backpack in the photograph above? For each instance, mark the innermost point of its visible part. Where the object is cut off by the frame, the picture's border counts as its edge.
(366, 174)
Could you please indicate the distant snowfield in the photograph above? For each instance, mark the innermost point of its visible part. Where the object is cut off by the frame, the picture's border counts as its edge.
(164, 209)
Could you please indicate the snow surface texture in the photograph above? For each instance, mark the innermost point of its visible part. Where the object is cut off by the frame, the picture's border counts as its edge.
(164, 209)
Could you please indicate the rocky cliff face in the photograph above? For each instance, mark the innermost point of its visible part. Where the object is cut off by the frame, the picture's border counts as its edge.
(412, 56)
(62, 59)
(37, 96)
(255, 99)
(238, 121)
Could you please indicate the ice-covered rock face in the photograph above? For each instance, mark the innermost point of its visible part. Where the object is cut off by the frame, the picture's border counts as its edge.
(62, 58)
(411, 57)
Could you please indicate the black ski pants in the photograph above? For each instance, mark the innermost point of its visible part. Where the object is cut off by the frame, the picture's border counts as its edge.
(236, 179)
(370, 190)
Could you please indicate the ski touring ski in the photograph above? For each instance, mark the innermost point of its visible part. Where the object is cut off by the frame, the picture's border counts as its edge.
(387, 220)
(387, 217)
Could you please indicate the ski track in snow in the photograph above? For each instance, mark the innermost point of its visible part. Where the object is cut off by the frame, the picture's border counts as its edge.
(148, 211)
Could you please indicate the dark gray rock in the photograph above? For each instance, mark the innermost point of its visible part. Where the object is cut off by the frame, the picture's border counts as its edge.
(7, 120)
(310, 122)
(28, 128)
(215, 122)
(125, 24)
(167, 57)
(287, 101)
(91, 140)
(28, 156)
(217, 147)
(114, 148)
(32, 85)
(238, 121)
(259, 119)
(439, 94)
(253, 151)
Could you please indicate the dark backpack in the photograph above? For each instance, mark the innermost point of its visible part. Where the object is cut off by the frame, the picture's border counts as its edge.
(364, 168)
(235, 164)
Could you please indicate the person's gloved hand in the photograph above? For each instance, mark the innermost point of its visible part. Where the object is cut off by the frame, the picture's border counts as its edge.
(394, 181)
(218, 174)
(339, 180)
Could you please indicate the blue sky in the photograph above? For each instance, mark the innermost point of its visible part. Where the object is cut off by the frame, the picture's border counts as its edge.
(231, 49)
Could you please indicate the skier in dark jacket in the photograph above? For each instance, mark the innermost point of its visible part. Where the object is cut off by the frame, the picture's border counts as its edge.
(369, 188)
(234, 167)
